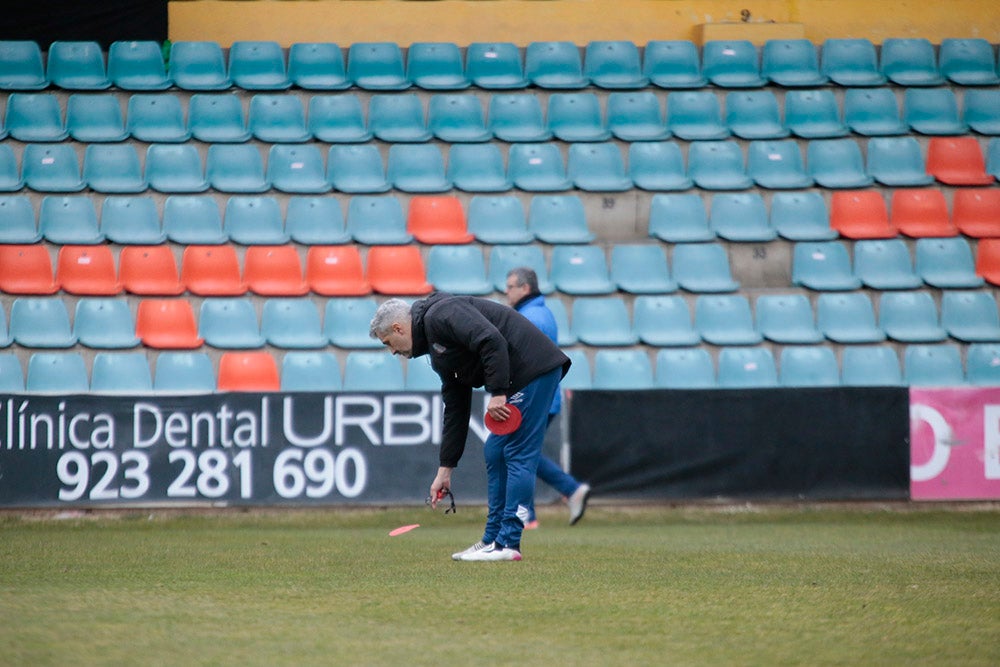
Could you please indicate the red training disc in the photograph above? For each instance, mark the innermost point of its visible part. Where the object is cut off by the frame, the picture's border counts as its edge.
(507, 426)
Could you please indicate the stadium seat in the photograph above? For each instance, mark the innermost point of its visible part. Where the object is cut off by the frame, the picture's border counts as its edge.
(970, 315)
(230, 323)
(565, 334)
(248, 371)
(778, 165)
(277, 118)
(657, 166)
(336, 271)
(297, 169)
(356, 169)
(910, 317)
(397, 270)
(946, 263)
(167, 324)
(149, 270)
(870, 366)
(602, 321)
(847, 318)
(26, 269)
(731, 63)
(317, 66)
(503, 258)
(812, 366)
(254, 221)
(95, 118)
(885, 264)
(316, 221)
(801, 216)
(725, 319)
(372, 371)
(679, 218)
(236, 168)
(51, 168)
(747, 367)
(498, 219)
(76, 66)
(741, 218)
(113, 169)
(398, 118)
(137, 65)
(909, 62)
(198, 66)
(377, 220)
(35, 117)
(579, 376)
(11, 375)
(703, 268)
(10, 173)
(695, 116)
(437, 220)
(71, 220)
(104, 323)
(664, 321)
(458, 269)
(121, 373)
(338, 119)
(517, 118)
(787, 319)
(554, 64)
(184, 373)
(814, 114)
(837, 164)
(21, 66)
(417, 168)
(873, 112)
(976, 212)
(686, 368)
(581, 270)
(175, 168)
(274, 270)
(191, 220)
(212, 271)
(88, 270)
(718, 165)
(993, 158)
(622, 370)
(754, 114)
(537, 168)
(217, 118)
(641, 269)
(982, 362)
(57, 373)
(258, 65)
(420, 376)
(673, 64)
(860, 214)
(494, 66)
(477, 168)
(597, 167)
(957, 161)
(933, 366)
(823, 266)
(558, 219)
(932, 111)
(636, 116)
(17, 220)
(156, 118)
(457, 118)
(614, 64)
(968, 62)
(791, 63)
(310, 371)
(377, 66)
(577, 117)
(922, 212)
(982, 111)
(435, 66)
(897, 161)
(41, 322)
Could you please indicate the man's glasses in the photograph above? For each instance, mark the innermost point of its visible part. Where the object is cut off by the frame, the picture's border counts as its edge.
(441, 495)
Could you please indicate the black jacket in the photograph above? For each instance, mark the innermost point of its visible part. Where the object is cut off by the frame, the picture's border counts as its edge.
(476, 342)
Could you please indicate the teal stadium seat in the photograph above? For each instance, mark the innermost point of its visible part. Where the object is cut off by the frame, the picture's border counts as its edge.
(11, 375)
(310, 371)
(814, 114)
(695, 116)
(747, 368)
(885, 264)
(17, 220)
(703, 268)
(565, 335)
(725, 319)
(851, 62)
(297, 169)
(236, 168)
(156, 118)
(897, 161)
(175, 168)
(718, 165)
(398, 118)
(229, 323)
(35, 117)
(685, 368)
(581, 270)
(292, 323)
(316, 221)
(258, 65)
(317, 66)
(614, 64)
(636, 116)
(51, 168)
(791, 63)
(741, 217)
(801, 216)
(622, 370)
(254, 221)
(417, 168)
(577, 117)
(104, 323)
(338, 119)
(910, 61)
(982, 362)
(597, 167)
(113, 169)
(57, 373)
(517, 118)
(657, 166)
(277, 118)
(94, 118)
(457, 118)
(777, 165)
(910, 317)
(377, 66)
(191, 220)
(494, 66)
(873, 112)
(993, 158)
(812, 366)
(673, 64)
(184, 373)
(198, 66)
(77, 66)
(870, 366)
(664, 321)
(69, 220)
(787, 319)
(40, 322)
(554, 64)
(731, 63)
(933, 366)
(436, 66)
(679, 218)
(503, 258)
(373, 371)
(356, 169)
(933, 111)
(754, 114)
(578, 377)
(21, 66)
(847, 318)
(217, 118)
(837, 164)
(641, 268)
(968, 61)
(374, 220)
(823, 266)
(497, 219)
(10, 175)
(458, 269)
(970, 316)
(477, 168)
(137, 65)
(946, 263)
(982, 110)
(346, 322)
(558, 219)
(121, 373)
(537, 168)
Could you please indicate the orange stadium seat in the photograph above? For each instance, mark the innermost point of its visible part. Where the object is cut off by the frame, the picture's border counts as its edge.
(26, 269)
(860, 214)
(212, 271)
(274, 271)
(167, 324)
(957, 161)
(435, 220)
(248, 371)
(336, 271)
(988, 260)
(922, 212)
(150, 270)
(87, 270)
(397, 270)
(976, 212)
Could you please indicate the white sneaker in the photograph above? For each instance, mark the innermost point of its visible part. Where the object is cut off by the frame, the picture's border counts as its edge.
(492, 552)
(578, 503)
(478, 546)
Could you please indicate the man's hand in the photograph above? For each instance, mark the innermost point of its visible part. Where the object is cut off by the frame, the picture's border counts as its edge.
(497, 408)
(441, 482)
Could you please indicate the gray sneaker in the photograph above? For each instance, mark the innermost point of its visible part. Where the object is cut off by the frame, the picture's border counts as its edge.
(578, 503)
(478, 546)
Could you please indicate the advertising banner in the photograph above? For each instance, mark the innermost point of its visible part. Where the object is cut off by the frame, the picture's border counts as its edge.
(955, 444)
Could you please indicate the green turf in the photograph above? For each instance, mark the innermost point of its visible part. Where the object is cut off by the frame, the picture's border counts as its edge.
(650, 586)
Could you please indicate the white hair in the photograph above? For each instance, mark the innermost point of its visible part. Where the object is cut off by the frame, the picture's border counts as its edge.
(387, 314)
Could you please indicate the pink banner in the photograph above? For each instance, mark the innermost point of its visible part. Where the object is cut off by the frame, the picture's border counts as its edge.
(955, 444)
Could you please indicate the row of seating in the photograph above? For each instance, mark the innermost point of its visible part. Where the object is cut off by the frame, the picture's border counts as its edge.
(256, 65)
(515, 118)
(421, 168)
(681, 368)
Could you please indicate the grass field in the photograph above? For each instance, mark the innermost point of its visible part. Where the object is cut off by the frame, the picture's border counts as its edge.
(795, 585)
